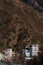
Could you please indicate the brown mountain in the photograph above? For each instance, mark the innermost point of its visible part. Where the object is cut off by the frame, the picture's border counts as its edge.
(20, 24)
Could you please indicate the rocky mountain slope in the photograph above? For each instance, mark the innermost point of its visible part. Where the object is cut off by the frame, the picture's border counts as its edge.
(20, 25)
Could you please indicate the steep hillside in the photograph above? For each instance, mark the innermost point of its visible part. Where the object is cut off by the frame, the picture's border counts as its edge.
(20, 24)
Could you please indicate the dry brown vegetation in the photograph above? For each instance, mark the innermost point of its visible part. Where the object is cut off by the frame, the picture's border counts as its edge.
(20, 25)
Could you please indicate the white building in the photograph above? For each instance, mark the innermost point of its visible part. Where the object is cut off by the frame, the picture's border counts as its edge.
(27, 54)
(35, 50)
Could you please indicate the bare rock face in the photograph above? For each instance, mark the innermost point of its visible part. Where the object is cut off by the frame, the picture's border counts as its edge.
(19, 24)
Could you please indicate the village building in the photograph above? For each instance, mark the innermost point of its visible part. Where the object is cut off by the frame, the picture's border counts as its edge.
(31, 51)
(8, 54)
(35, 49)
